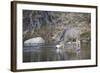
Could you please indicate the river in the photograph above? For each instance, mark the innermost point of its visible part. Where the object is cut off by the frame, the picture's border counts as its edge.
(49, 53)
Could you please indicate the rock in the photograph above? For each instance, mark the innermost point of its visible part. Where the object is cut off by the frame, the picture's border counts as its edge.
(34, 41)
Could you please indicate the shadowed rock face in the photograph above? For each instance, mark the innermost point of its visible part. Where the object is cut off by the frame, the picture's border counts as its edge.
(34, 41)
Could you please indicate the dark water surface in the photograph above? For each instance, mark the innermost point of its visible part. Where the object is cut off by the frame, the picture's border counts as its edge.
(49, 53)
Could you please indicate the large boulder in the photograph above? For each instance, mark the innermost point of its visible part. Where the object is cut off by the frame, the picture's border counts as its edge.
(34, 41)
